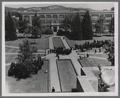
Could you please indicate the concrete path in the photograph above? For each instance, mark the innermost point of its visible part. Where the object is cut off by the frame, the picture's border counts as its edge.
(96, 57)
(11, 47)
(51, 43)
(54, 78)
(89, 52)
(87, 87)
(74, 59)
(53, 71)
(65, 43)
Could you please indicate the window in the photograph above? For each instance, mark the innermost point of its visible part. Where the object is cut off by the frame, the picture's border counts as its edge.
(42, 21)
(48, 16)
(54, 16)
(108, 15)
(48, 21)
(42, 16)
(61, 16)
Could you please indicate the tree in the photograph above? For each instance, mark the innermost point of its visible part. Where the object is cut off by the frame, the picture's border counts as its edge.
(110, 52)
(87, 27)
(36, 21)
(25, 51)
(36, 25)
(35, 31)
(66, 24)
(27, 62)
(112, 9)
(111, 27)
(25, 57)
(22, 25)
(65, 28)
(99, 25)
(10, 27)
(76, 28)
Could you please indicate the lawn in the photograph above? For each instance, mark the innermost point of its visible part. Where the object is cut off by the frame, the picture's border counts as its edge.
(57, 42)
(67, 75)
(90, 62)
(10, 58)
(42, 43)
(99, 55)
(38, 83)
(11, 50)
(101, 62)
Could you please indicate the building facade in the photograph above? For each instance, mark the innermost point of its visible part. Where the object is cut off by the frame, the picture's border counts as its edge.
(52, 16)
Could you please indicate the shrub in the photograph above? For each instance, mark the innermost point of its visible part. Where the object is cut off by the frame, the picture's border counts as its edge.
(48, 31)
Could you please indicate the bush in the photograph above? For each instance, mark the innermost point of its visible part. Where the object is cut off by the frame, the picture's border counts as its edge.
(48, 31)
(62, 51)
(25, 69)
(18, 71)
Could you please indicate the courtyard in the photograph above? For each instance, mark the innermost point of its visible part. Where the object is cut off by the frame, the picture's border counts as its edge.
(63, 78)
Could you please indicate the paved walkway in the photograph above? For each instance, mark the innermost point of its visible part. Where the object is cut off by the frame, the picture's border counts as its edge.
(65, 43)
(54, 78)
(53, 71)
(84, 82)
(75, 62)
(51, 43)
(96, 57)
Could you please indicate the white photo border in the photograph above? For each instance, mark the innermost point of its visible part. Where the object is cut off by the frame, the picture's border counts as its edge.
(60, 94)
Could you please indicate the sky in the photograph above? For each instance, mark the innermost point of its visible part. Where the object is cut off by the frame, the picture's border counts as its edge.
(92, 5)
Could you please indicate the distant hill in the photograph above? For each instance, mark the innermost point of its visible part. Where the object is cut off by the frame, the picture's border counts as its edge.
(32, 9)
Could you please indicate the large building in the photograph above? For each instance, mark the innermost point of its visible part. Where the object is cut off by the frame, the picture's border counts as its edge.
(52, 16)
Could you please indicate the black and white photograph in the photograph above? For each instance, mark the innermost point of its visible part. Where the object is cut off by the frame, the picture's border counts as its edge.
(59, 48)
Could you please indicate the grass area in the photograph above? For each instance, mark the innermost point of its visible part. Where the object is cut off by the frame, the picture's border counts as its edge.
(10, 58)
(57, 42)
(101, 62)
(14, 43)
(11, 50)
(72, 43)
(66, 74)
(100, 55)
(38, 83)
(42, 43)
(90, 62)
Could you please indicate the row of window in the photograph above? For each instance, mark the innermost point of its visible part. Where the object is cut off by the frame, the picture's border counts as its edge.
(52, 16)
(105, 15)
(51, 21)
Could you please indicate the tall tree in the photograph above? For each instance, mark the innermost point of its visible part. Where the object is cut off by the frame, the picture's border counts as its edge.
(87, 27)
(36, 26)
(10, 27)
(66, 27)
(22, 25)
(111, 27)
(36, 21)
(99, 25)
(76, 28)
(66, 24)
